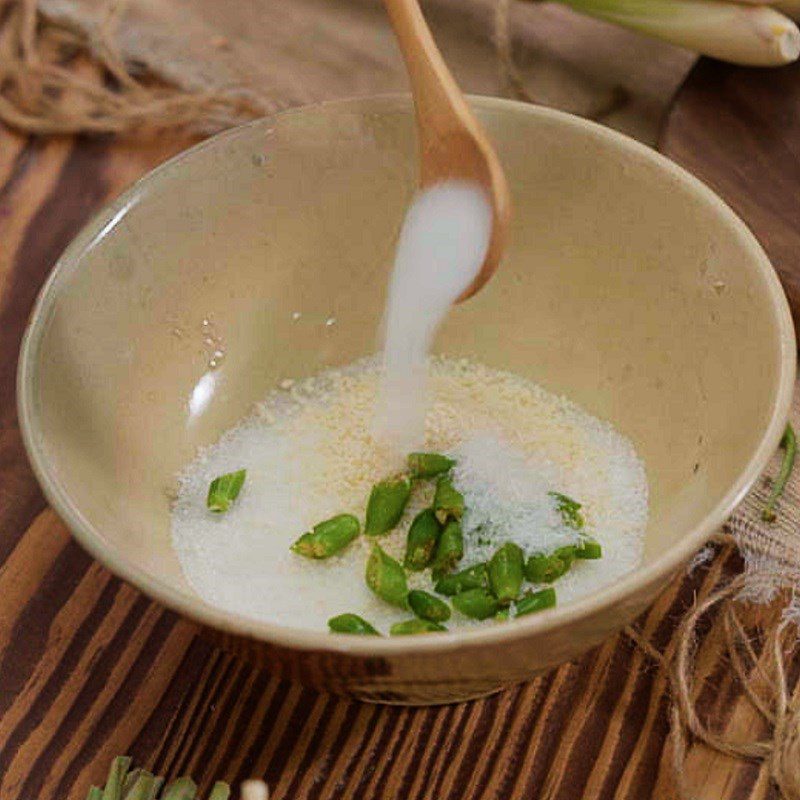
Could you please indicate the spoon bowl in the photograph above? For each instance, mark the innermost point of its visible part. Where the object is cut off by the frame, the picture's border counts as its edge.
(452, 143)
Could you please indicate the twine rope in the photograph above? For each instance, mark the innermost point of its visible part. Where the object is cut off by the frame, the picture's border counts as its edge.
(779, 705)
(42, 91)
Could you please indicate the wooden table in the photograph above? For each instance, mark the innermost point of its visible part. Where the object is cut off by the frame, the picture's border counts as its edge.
(90, 668)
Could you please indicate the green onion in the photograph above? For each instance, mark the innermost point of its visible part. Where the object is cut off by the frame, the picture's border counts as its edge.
(789, 447)
(224, 490)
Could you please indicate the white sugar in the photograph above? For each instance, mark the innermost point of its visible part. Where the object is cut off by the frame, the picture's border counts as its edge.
(442, 245)
(311, 452)
(507, 496)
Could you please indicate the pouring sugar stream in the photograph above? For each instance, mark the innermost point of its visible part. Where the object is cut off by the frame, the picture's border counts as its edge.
(442, 245)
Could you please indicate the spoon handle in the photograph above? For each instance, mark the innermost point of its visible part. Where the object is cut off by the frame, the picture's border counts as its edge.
(443, 116)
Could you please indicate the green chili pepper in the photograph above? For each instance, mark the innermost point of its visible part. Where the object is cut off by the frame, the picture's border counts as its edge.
(540, 568)
(535, 601)
(351, 623)
(475, 577)
(328, 537)
(428, 465)
(386, 577)
(448, 502)
(570, 510)
(423, 536)
(789, 446)
(506, 572)
(428, 606)
(222, 491)
(476, 603)
(589, 549)
(567, 554)
(387, 501)
(411, 626)
(449, 550)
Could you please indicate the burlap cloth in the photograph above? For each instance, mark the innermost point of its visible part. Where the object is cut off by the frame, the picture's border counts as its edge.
(208, 64)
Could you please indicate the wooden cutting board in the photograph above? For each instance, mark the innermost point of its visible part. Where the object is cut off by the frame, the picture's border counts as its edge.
(738, 129)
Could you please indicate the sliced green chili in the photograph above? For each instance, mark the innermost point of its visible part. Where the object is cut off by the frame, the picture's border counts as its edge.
(506, 572)
(448, 502)
(413, 626)
(423, 536)
(328, 537)
(589, 548)
(386, 577)
(386, 504)
(351, 623)
(535, 601)
(428, 465)
(428, 606)
(570, 510)
(477, 603)
(449, 549)
(475, 577)
(222, 491)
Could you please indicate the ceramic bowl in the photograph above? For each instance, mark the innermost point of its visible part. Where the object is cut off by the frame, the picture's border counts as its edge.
(628, 286)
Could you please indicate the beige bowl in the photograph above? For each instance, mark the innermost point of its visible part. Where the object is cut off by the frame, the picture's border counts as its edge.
(628, 286)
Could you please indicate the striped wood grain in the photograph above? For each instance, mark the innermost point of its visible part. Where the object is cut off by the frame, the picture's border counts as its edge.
(90, 668)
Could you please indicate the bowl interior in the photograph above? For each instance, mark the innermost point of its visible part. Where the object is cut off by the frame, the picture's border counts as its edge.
(627, 286)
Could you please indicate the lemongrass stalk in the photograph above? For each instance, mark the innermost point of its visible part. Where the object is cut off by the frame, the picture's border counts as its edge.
(789, 7)
(735, 32)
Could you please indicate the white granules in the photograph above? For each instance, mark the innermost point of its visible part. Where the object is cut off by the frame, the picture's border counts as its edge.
(507, 497)
(310, 454)
(442, 245)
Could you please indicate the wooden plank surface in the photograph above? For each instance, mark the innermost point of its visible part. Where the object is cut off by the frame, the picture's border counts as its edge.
(90, 668)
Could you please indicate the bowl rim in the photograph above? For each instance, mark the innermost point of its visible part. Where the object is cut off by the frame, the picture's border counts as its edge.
(194, 608)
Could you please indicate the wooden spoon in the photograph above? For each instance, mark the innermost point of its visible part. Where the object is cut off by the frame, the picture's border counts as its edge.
(452, 143)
